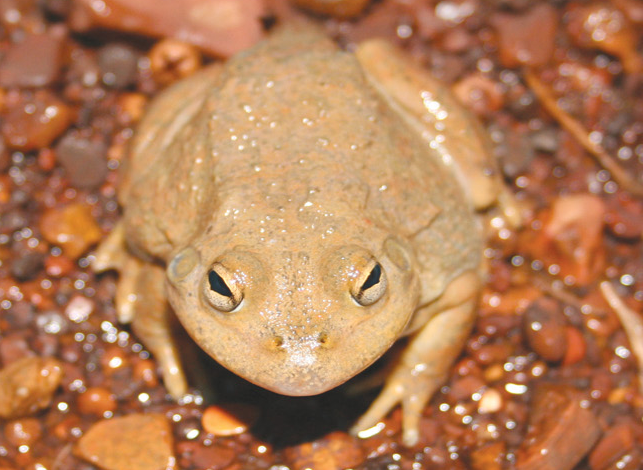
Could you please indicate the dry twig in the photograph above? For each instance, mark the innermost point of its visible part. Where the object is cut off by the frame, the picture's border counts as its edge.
(576, 129)
(632, 324)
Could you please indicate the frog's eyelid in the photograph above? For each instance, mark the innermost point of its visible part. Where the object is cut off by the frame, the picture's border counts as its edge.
(372, 288)
(223, 296)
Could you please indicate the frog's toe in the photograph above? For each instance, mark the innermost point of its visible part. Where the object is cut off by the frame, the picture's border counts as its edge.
(383, 404)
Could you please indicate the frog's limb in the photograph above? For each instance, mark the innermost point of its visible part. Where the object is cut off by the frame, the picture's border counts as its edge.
(141, 299)
(425, 364)
(428, 106)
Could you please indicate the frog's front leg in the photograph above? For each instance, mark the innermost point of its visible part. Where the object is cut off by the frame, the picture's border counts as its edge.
(141, 299)
(425, 364)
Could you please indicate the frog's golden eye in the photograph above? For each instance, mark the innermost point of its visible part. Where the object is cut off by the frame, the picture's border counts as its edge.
(221, 290)
(370, 285)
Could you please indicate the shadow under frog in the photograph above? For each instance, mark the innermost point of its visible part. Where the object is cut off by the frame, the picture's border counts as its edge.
(301, 208)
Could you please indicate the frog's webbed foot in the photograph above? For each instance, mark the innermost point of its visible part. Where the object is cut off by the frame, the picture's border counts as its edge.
(425, 364)
(140, 299)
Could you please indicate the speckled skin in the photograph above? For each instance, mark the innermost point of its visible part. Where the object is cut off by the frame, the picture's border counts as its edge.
(294, 167)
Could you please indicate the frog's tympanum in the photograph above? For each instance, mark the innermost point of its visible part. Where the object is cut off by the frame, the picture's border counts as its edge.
(300, 208)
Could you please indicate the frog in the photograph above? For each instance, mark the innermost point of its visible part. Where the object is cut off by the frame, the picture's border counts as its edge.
(300, 208)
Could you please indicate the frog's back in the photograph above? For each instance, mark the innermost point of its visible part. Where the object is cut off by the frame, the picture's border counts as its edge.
(295, 114)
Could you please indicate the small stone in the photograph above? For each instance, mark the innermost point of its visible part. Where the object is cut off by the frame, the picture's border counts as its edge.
(118, 65)
(336, 8)
(137, 441)
(24, 431)
(616, 441)
(58, 266)
(219, 27)
(560, 431)
(488, 457)
(35, 61)
(27, 385)
(71, 227)
(490, 402)
(576, 346)
(228, 420)
(213, 457)
(544, 328)
(336, 451)
(83, 159)
(35, 120)
(172, 60)
(96, 401)
(527, 38)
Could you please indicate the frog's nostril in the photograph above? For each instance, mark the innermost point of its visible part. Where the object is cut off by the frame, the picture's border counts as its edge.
(324, 339)
(277, 342)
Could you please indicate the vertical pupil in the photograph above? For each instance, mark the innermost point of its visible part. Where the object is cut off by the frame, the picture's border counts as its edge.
(373, 278)
(218, 285)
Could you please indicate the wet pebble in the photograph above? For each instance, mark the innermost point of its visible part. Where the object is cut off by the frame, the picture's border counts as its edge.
(603, 26)
(58, 266)
(336, 8)
(576, 346)
(35, 120)
(83, 159)
(35, 61)
(219, 27)
(527, 38)
(335, 451)
(228, 420)
(72, 227)
(171, 60)
(560, 432)
(213, 457)
(137, 441)
(544, 328)
(118, 64)
(27, 385)
(489, 456)
(23, 432)
(96, 401)
(616, 441)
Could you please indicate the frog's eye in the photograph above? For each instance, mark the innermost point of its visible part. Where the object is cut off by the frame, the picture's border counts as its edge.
(370, 285)
(221, 290)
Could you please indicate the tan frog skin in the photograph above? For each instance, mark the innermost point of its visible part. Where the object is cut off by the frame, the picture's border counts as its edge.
(301, 208)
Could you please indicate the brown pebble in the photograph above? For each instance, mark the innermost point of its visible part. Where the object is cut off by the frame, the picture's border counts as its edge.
(96, 401)
(576, 346)
(228, 420)
(27, 385)
(336, 451)
(114, 359)
(489, 456)
(35, 61)
(23, 431)
(172, 60)
(145, 371)
(34, 121)
(83, 159)
(527, 38)
(603, 26)
(72, 227)
(336, 8)
(137, 441)
(544, 328)
(58, 266)
(616, 441)
(462, 388)
(219, 27)
(27, 265)
(560, 431)
(479, 93)
(131, 107)
(214, 457)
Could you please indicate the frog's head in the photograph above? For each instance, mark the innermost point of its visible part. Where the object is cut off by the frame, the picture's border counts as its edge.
(296, 318)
